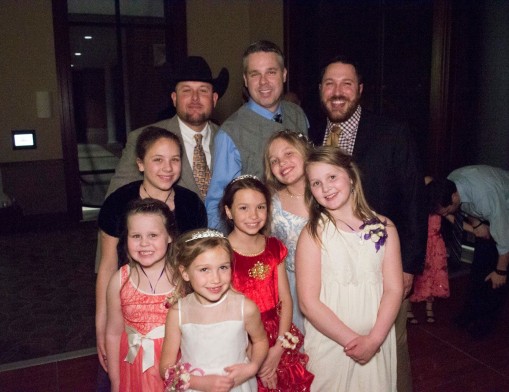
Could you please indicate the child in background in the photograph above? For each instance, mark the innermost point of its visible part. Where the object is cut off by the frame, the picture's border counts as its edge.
(434, 280)
(137, 298)
(212, 324)
(259, 272)
(349, 280)
(285, 155)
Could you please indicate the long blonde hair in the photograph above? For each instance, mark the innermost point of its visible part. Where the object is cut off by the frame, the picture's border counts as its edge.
(336, 157)
(297, 140)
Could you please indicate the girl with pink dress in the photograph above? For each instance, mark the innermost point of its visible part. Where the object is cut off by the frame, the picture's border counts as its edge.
(434, 280)
(137, 299)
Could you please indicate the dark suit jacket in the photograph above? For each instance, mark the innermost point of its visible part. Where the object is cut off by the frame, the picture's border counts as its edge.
(393, 181)
(127, 170)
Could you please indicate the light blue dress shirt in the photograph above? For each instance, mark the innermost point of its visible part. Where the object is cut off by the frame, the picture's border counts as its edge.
(227, 165)
(484, 194)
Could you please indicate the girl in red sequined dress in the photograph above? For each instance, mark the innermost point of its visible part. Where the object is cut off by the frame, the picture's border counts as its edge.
(137, 299)
(259, 273)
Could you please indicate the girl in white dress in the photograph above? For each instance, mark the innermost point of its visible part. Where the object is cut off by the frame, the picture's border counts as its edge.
(285, 155)
(349, 280)
(213, 325)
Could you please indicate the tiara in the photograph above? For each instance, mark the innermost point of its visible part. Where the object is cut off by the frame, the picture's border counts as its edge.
(209, 233)
(244, 176)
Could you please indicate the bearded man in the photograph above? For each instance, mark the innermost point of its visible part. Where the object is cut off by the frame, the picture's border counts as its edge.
(194, 93)
(392, 175)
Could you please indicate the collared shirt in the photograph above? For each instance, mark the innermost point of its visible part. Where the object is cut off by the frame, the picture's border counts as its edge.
(265, 113)
(349, 131)
(189, 141)
(484, 194)
(227, 166)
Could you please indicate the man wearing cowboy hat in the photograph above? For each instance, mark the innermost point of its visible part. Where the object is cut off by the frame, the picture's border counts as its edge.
(194, 94)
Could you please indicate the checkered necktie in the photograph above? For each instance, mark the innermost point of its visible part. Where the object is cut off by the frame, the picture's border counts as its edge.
(334, 135)
(201, 171)
(278, 118)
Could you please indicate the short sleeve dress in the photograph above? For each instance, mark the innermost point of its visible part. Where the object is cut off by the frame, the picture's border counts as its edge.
(352, 287)
(144, 320)
(214, 336)
(256, 276)
(287, 227)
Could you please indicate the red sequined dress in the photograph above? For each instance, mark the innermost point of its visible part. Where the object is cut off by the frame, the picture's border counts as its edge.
(256, 276)
(144, 320)
(434, 281)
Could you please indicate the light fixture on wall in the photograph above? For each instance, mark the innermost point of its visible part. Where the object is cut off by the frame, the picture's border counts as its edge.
(43, 104)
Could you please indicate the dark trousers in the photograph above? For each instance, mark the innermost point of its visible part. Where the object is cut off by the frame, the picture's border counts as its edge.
(483, 303)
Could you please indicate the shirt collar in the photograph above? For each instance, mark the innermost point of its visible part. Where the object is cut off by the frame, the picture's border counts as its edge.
(265, 113)
(188, 133)
(349, 125)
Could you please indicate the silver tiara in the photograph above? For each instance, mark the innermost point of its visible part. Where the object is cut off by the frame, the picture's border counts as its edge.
(244, 176)
(209, 233)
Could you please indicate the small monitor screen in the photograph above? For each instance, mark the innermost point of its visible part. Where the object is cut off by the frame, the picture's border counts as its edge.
(23, 139)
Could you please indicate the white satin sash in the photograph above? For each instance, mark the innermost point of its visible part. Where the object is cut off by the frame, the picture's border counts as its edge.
(137, 340)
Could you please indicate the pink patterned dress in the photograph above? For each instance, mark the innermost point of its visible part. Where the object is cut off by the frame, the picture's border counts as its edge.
(434, 281)
(142, 340)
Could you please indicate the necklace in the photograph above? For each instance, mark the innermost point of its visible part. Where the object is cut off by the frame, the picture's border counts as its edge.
(167, 197)
(249, 254)
(350, 227)
(293, 195)
(153, 289)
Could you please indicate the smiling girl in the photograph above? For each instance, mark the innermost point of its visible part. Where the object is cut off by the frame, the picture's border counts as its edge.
(158, 154)
(285, 155)
(212, 325)
(349, 280)
(136, 299)
(259, 273)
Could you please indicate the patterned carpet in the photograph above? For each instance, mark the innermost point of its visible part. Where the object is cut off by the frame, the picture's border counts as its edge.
(47, 289)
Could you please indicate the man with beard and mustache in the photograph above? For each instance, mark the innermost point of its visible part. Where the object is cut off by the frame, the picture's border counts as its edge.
(392, 175)
(194, 94)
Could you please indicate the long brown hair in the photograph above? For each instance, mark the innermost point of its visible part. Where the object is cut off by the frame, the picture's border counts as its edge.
(245, 182)
(336, 157)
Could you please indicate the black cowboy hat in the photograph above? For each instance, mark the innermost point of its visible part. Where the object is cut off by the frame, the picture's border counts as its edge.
(195, 68)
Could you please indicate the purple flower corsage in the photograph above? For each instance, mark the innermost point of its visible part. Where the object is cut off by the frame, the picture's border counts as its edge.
(374, 230)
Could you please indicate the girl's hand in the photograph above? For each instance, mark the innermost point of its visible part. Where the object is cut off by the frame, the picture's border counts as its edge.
(362, 349)
(212, 383)
(269, 366)
(270, 381)
(241, 372)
